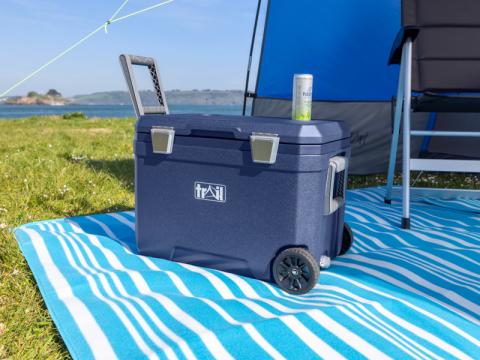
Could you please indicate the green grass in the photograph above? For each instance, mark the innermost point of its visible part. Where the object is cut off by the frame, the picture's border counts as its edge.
(52, 167)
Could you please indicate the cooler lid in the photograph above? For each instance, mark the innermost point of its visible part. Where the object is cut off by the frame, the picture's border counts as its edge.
(313, 132)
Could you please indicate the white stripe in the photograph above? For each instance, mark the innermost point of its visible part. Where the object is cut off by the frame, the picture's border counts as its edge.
(466, 258)
(328, 323)
(358, 247)
(75, 226)
(408, 288)
(426, 238)
(250, 293)
(318, 296)
(249, 328)
(91, 331)
(427, 219)
(355, 215)
(395, 236)
(347, 336)
(364, 195)
(429, 214)
(392, 214)
(367, 213)
(320, 347)
(219, 285)
(418, 309)
(354, 250)
(208, 337)
(264, 344)
(377, 193)
(445, 269)
(373, 239)
(104, 227)
(184, 290)
(403, 323)
(443, 275)
(471, 232)
(123, 220)
(359, 241)
(256, 308)
(149, 352)
(453, 238)
(364, 317)
(305, 301)
(176, 280)
(463, 204)
(451, 295)
(99, 271)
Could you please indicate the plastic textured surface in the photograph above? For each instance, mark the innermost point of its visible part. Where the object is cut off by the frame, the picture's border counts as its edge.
(241, 127)
(209, 204)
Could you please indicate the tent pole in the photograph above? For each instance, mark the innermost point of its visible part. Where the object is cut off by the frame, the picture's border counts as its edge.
(250, 58)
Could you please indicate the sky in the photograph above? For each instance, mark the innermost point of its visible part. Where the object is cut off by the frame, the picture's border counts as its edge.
(198, 44)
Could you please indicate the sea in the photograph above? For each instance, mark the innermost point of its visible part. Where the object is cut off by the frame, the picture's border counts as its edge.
(108, 111)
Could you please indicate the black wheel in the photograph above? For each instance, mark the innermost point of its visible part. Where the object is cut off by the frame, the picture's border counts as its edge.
(296, 271)
(347, 239)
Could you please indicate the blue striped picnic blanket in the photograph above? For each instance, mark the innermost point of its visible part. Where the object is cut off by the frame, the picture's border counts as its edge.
(396, 294)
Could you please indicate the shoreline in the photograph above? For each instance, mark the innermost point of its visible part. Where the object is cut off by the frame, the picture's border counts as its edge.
(107, 111)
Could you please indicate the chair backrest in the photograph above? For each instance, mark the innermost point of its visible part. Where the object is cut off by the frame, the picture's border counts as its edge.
(446, 53)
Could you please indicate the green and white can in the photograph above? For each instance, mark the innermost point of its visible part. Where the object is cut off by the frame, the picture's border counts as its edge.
(302, 97)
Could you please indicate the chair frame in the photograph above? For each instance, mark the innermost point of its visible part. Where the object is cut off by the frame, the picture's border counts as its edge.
(403, 110)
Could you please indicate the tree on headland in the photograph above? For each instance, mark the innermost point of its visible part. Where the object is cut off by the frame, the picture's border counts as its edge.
(32, 94)
(54, 93)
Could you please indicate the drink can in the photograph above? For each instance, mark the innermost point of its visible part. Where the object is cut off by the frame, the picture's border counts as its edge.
(302, 97)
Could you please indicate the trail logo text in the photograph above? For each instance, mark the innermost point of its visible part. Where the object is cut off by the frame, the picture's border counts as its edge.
(210, 192)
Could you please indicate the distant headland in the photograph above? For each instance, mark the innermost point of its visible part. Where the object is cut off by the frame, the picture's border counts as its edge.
(51, 97)
(174, 97)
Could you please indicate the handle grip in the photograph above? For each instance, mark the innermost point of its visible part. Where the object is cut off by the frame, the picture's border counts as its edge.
(214, 129)
(141, 60)
(333, 201)
(127, 62)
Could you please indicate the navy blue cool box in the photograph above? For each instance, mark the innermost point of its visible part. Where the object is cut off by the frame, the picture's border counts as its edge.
(231, 193)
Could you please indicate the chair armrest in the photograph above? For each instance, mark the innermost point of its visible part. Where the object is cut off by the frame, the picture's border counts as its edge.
(402, 36)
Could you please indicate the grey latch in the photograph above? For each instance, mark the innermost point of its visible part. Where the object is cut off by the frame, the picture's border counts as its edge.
(264, 147)
(162, 139)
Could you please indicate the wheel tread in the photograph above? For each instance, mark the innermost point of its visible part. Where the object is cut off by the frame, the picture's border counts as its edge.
(309, 260)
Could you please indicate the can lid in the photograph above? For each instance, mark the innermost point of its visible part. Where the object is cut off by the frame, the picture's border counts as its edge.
(303, 76)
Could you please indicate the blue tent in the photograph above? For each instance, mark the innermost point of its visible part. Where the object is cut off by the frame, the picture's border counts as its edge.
(345, 44)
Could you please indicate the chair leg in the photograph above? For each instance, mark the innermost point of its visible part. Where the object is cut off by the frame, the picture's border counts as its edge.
(406, 136)
(406, 170)
(395, 135)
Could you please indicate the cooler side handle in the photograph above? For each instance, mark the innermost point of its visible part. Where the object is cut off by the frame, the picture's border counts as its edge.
(336, 165)
(127, 62)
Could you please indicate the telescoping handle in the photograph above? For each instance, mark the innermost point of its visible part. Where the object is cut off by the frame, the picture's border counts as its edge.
(127, 62)
(336, 184)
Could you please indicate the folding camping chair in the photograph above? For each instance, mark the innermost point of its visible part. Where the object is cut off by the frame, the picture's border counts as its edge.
(438, 52)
